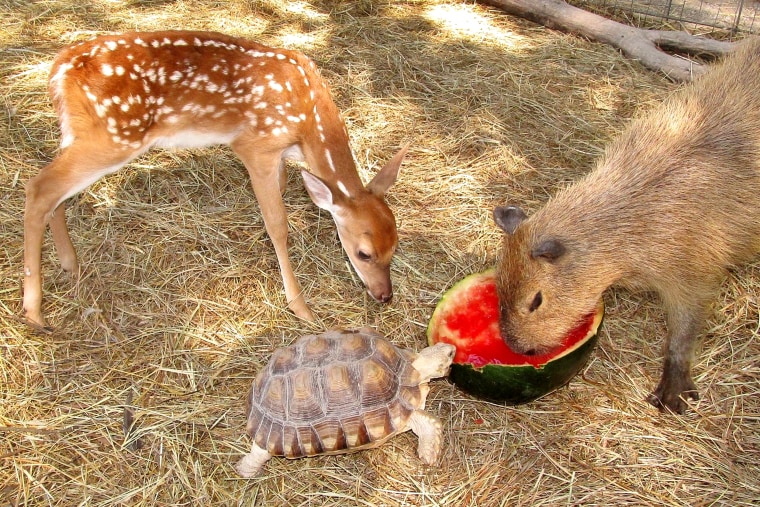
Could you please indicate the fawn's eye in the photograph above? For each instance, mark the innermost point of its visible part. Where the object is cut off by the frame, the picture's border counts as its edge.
(537, 300)
(364, 256)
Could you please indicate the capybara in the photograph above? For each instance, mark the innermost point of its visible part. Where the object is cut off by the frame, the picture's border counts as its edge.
(671, 205)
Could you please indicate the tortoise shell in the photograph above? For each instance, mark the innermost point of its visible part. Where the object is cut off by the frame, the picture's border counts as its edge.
(333, 392)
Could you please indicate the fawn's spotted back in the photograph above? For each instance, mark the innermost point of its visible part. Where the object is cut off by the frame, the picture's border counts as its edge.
(175, 89)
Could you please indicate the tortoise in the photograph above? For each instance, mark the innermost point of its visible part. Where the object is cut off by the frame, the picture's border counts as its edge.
(342, 391)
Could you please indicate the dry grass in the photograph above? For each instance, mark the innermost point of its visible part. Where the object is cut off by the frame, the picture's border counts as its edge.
(180, 300)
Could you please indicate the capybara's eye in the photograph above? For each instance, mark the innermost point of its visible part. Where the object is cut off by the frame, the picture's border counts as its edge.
(537, 300)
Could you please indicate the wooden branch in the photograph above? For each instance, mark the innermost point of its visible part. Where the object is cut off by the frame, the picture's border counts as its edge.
(636, 43)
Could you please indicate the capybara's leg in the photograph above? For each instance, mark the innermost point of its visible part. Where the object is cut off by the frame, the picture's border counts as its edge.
(685, 324)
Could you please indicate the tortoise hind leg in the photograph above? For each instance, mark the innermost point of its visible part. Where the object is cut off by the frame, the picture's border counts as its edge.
(430, 432)
(250, 464)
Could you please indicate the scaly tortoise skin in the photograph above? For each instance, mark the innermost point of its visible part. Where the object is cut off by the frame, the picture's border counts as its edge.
(342, 391)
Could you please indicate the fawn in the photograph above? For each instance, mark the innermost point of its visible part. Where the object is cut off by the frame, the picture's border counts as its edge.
(117, 96)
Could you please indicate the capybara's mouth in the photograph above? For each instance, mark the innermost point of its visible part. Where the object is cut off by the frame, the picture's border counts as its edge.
(514, 345)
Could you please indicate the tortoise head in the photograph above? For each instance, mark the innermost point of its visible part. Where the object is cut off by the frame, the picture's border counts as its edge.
(434, 361)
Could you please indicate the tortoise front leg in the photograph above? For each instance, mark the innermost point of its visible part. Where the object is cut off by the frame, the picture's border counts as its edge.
(430, 432)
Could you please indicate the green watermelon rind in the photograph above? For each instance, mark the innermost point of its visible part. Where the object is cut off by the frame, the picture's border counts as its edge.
(515, 384)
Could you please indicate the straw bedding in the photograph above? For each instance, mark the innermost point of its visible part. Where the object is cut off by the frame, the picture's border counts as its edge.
(137, 397)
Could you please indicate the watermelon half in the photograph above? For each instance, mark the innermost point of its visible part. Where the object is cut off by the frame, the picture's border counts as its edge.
(467, 316)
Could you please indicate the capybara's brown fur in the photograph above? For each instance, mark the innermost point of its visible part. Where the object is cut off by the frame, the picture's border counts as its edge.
(672, 204)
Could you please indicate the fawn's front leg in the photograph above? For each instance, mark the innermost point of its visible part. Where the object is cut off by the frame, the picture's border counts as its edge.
(264, 170)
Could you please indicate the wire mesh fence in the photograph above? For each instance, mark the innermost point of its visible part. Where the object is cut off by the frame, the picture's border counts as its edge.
(717, 17)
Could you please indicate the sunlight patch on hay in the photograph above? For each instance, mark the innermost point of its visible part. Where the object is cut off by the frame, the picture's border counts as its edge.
(300, 41)
(473, 24)
(305, 10)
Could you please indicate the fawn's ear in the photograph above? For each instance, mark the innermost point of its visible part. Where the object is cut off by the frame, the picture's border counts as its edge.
(318, 190)
(388, 174)
(508, 218)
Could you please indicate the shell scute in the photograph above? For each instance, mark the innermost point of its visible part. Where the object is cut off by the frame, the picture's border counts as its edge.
(311, 444)
(341, 388)
(331, 434)
(411, 395)
(275, 439)
(305, 401)
(290, 445)
(261, 434)
(408, 375)
(355, 347)
(283, 360)
(315, 352)
(275, 403)
(355, 431)
(379, 384)
(400, 411)
(378, 423)
(389, 355)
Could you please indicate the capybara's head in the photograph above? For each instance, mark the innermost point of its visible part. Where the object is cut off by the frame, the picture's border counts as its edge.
(540, 284)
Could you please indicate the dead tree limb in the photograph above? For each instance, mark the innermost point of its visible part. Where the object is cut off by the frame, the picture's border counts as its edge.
(636, 43)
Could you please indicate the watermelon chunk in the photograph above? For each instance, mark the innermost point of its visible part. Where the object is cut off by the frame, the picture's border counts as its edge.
(467, 316)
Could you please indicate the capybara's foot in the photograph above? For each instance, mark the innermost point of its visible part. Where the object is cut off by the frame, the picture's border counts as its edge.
(671, 394)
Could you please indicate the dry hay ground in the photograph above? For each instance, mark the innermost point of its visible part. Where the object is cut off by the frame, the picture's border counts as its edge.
(180, 300)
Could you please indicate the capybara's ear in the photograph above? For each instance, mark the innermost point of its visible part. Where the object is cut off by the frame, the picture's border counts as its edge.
(548, 249)
(508, 218)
